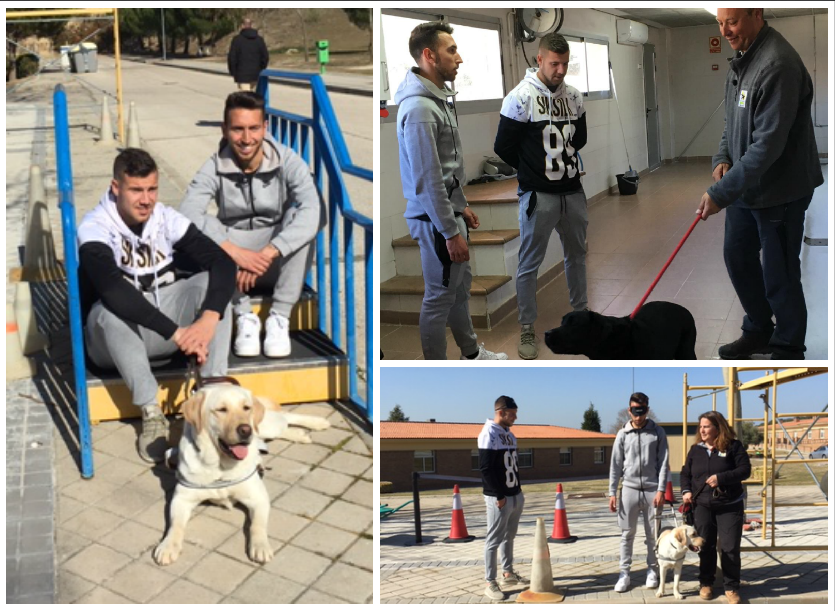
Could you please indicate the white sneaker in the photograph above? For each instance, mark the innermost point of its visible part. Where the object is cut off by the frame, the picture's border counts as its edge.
(248, 335)
(483, 353)
(277, 342)
(652, 579)
(623, 582)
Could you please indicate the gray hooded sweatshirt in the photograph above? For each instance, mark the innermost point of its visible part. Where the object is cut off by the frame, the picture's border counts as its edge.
(431, 157)
(640, 457)
(280, 193)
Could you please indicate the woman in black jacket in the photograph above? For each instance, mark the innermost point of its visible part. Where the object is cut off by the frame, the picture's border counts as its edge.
(711, 479)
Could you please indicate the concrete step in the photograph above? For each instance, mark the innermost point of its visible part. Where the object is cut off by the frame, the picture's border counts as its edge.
(492, 253)
(316, 371)
(401, 298)
(496, 204)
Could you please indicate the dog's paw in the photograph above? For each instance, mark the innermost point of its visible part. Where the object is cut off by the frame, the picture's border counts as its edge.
(260, 552)
(317, 424)
(659, 593)
(166, 553)
(678, 595)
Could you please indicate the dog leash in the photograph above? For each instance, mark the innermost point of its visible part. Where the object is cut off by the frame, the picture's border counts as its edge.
(197, 381)
(664, 269)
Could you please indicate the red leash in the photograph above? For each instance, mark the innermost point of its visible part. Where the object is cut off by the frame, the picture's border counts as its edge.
(664, 269)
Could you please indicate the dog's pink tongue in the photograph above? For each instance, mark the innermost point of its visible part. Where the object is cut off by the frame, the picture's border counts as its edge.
(239, 450)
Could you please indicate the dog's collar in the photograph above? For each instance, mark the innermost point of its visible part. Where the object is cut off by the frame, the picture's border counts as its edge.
(220, 484)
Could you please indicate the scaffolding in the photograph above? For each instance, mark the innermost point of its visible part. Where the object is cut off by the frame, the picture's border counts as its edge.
(771, 421)
(93, 13)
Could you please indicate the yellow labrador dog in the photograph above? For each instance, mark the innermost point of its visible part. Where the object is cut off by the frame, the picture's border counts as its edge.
(219, 461)
(671, 548)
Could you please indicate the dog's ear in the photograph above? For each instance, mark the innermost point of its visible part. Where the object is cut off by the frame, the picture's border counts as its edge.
(192, 410)
(260, 405)
(681, 536)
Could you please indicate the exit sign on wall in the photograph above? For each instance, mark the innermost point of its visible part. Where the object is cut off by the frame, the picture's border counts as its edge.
(715, 44)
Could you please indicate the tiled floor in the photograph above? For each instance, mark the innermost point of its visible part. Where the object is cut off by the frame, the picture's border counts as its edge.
(630, 239)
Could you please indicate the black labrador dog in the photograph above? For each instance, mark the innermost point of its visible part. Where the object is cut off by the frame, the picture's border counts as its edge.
(660, 330)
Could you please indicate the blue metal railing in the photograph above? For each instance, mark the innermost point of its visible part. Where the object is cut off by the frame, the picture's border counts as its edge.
(331, 160)
(67, 204)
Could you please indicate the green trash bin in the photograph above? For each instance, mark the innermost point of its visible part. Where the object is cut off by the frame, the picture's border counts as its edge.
(84, 57)
(323, 48)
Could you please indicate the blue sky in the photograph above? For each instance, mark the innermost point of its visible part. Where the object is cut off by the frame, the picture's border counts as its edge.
(560, 395)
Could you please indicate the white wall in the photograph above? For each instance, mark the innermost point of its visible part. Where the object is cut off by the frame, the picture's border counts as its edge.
(696, 90)
(603, 156)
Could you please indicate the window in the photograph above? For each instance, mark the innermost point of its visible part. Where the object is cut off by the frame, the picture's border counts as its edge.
(565, 456)
(525, 457)
(600, 454)
(425, 462)
(474, 466)
(822, 434)
(588, 67)
(480, 82)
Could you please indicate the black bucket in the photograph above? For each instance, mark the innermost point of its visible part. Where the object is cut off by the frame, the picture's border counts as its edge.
(626, 185)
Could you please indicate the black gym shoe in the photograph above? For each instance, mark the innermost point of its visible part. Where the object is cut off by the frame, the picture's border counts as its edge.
(779, 355)
(745, 346)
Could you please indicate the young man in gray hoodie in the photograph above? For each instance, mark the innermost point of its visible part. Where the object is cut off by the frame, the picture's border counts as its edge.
(268, 214)
(640, 456)
(765, 174)
(432, 173)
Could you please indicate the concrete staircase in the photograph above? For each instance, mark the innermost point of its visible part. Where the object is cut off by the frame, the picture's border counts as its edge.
(494, 259)
(316, 371)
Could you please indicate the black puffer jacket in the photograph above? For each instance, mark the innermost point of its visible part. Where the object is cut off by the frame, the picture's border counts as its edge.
(248, 56)
(731, 469)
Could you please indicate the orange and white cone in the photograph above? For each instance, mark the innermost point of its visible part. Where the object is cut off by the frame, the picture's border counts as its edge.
(542, 576)
(560, 535)
(669, 496)
(458, 531)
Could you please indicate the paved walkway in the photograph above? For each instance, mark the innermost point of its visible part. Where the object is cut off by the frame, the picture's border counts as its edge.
(70, 540)
(435, 572)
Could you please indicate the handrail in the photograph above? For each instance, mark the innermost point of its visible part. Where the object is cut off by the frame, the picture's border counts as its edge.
(67, 205)
(330, 150)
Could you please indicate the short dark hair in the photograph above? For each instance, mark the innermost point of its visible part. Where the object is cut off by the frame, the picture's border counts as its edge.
(248, 100)
(639, 398)
(135, 163)
(425, 36)
(554, 42)
(505, 403)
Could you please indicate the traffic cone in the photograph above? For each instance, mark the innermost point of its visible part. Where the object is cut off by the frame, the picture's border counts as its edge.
(458, 531)
(106, 131)
(39, 258)
(17, 365)
(542, 576)
(560, 534)
(31, 340)
(669, 496)
(133, 129)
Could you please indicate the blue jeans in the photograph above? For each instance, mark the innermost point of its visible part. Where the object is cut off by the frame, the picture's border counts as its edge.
(768, 285)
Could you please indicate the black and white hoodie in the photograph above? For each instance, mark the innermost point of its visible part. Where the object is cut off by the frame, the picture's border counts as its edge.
(119, 264)
(540, 133)
(498, 461)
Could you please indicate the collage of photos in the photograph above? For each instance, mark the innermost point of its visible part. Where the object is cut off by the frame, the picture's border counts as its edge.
(225, 272)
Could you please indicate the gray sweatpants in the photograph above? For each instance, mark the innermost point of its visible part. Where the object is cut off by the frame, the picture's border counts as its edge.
(633, 502)
(128, 347)
(290, 270)
(501, 530)
(568, 215)
(443, 306)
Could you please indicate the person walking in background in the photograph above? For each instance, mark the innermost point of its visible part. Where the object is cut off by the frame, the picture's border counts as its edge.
(499, 464)
(714, 469)
(640, 455)
(765, 174)
(247, 57)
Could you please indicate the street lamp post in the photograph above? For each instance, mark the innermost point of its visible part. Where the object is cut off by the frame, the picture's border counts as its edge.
(162, 13)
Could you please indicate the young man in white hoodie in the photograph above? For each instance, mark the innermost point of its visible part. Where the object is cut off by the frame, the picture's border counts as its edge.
(135, 306)
(432, 173)
(542, 126)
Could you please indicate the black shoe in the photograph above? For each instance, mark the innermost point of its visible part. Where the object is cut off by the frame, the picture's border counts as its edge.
(787, 355)
(745, 346)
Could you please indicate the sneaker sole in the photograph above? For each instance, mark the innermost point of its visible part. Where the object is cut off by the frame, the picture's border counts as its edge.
(277, 355)
(247, 353)
(521, 356)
